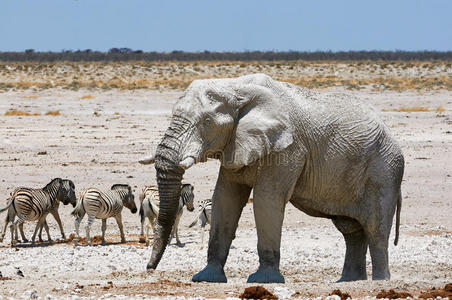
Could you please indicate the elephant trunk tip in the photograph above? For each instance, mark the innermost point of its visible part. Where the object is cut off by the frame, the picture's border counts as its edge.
(187, 162)
(147, 160)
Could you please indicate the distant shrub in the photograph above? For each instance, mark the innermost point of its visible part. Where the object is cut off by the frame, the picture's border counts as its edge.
(15, 112)
(53, 113)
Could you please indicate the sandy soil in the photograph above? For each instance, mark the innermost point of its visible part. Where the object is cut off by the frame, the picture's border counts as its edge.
(97, 141)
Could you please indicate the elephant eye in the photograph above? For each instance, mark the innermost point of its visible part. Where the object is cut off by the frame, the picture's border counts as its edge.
(210, 95)
(207, 121)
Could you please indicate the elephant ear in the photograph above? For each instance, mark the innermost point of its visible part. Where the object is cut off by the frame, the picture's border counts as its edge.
(262, 128)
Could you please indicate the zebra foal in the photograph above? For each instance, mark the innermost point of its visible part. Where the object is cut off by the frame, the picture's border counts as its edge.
(99, 204)
(35, 204)
(204, 216)
(150, 204)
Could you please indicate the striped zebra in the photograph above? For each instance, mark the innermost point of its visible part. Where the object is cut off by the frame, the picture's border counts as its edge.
(204, 216)
(35, 204)
(11, 215)
(103, 205)
(149, 209)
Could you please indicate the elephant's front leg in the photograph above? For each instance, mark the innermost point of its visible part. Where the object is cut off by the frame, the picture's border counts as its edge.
(228, 201)
(268, 204)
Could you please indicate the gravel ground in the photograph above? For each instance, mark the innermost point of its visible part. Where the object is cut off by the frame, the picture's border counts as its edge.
(97, 141)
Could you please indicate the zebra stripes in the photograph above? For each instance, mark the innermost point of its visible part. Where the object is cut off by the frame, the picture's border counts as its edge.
(204, 216)
(34, 204)
(103, 205)
(149, 209)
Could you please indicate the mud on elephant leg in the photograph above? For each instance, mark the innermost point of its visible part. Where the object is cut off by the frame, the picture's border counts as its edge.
(356, 248)
(227, 204)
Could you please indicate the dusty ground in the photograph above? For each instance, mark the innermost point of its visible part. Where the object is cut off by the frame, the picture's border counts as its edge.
(96, 141)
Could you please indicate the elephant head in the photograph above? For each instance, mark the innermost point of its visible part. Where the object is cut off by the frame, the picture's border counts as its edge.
(236, 120)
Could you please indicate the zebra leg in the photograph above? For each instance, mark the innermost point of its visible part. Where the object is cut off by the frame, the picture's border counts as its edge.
(40, 233)
(2, 235)
(46, 226)
(176, 230)
(77, 222)
(22, 233)
(10, 216)
(104, 228)
(118, 219)
(40, 224)
(148, 223)
(13, 228)
(143, 221)
(202, 229)
(88, 228)
(56, 215)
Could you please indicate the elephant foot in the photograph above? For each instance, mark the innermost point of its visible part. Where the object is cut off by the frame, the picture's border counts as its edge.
(352, 277)
(381, 276)
(211, 273)
(266, 275)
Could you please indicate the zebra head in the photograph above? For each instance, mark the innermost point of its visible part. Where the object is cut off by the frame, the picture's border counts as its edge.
(187, 196)
(69, 192)
(62, 190)
(127, 197)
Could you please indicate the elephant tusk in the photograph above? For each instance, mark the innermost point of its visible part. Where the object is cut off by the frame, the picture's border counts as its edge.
(147, 160)
(187, 163)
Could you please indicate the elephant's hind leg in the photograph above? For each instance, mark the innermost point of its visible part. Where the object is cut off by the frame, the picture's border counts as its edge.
(356, 248)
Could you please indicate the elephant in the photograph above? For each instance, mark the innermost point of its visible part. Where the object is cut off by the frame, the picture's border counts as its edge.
(327, 153)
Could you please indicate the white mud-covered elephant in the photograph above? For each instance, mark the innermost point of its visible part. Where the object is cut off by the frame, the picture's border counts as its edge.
(326, 153)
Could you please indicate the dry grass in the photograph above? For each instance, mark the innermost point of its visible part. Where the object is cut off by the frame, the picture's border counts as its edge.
(15, 112)
(178, 75)
(53, 113)
(415, 109)
(31, 97)
(87, 97)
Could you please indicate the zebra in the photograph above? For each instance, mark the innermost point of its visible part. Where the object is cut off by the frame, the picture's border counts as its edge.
(11, 215)
(35, 204)
(149, 209)
(204, 216)
(103, 205)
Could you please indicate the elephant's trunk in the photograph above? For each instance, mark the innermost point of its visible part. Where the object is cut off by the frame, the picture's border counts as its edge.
(169, 177)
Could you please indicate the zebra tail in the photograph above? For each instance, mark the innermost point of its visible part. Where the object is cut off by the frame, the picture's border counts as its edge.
(78, 210)
(9, 202)
(141, 212)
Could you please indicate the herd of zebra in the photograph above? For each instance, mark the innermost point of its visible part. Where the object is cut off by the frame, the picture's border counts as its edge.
(29, 204)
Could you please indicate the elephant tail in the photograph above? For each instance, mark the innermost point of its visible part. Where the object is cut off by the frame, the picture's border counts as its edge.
(399, 207)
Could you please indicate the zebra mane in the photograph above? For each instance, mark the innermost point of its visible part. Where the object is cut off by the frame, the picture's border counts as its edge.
(51, 183)
(71, 183)
(120, 186)
(186, 185)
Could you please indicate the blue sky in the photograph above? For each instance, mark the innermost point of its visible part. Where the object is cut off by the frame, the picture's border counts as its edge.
(53, 25)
